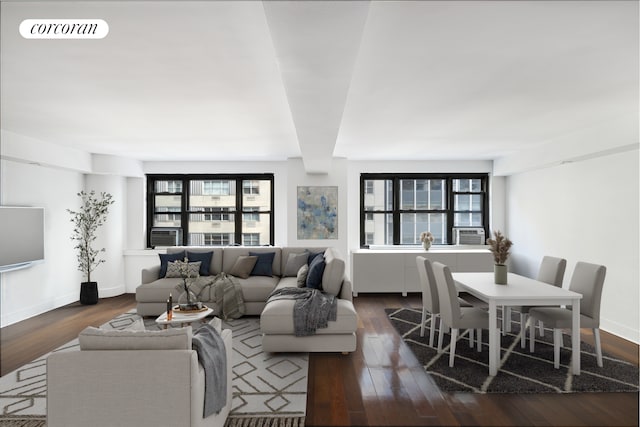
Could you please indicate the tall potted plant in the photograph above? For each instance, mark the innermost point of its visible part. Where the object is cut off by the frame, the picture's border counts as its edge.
(86, 221)
(499, 247)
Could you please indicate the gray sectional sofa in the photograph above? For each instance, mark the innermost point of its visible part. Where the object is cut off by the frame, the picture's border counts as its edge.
(276, 317)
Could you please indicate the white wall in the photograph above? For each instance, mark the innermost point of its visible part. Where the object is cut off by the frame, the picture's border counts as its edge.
(583, 211)
(112, 235)
(56, 281)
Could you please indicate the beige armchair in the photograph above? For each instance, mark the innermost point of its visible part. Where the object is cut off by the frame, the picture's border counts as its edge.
(141, 384)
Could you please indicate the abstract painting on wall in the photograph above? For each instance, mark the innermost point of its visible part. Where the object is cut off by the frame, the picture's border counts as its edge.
(317, 212)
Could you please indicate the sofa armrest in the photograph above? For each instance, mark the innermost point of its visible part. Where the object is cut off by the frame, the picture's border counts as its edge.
(150, 274)
(346, 292)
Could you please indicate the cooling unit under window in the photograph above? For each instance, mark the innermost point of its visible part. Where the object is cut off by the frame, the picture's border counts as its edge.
(469, 236)
(165, 237)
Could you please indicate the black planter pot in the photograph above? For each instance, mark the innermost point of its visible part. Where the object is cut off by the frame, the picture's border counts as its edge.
(89, 293)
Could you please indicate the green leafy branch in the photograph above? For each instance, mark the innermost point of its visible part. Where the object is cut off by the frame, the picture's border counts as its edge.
(86, 221)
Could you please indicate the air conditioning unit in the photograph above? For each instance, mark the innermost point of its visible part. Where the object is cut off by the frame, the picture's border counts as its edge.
(469, 236)
(165, 237)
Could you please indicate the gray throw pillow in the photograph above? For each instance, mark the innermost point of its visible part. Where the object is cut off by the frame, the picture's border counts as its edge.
(243, 266)
(301, 277)
(193, 269)
(294, 262)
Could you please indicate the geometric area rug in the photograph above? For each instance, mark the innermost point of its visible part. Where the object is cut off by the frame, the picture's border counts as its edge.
(269, 389)
(520, 371)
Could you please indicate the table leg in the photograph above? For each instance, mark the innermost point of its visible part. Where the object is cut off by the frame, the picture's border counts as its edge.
(575, 337)
(494, 338)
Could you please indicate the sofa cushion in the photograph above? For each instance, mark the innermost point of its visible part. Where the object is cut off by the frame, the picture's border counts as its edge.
(333, 272)
(231, 253)
(294, 262)
(314, 276)
(166, 258)
(243, 266)
(157, 291)
(257, 288)
(107, 339)
(204, 258)
(264, 265)
(173, 269)
(277, 318)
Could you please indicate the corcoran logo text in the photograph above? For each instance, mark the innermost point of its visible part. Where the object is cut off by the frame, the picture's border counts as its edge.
(64, 28)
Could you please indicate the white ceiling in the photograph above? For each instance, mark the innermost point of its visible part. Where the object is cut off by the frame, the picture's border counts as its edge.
(252, 80)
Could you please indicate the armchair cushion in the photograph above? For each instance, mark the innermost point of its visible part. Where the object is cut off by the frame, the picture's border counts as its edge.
(105, 339)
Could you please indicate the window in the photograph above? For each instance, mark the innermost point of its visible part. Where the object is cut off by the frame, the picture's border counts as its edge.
(396, 208)
(250, 187)
(208, 208)
(251, 239)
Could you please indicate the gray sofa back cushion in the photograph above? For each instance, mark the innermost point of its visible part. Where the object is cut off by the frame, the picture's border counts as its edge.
(216, 259)
(333, 272)
(108, 339)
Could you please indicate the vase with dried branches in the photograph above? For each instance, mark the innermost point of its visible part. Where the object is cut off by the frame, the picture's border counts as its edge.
(500, 247)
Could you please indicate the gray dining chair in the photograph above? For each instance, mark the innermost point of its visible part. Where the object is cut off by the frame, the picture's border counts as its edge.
(551, 271)
(430, 299)
(452, 314)
(588, 280)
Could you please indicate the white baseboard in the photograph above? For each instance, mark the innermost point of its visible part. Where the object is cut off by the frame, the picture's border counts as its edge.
(620, 330)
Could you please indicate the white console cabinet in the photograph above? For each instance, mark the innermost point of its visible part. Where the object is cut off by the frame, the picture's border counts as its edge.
(395, 270)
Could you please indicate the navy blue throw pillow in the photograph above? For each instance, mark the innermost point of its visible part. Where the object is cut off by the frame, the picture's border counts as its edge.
(316, 269)
(204, 258)
(312, 256)
(166, 258)
(264, 265)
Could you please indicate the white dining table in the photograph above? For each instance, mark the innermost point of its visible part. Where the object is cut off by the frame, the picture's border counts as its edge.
(520, 291)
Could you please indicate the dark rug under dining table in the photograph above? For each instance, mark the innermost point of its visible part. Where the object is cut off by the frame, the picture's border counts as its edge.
(520, 371)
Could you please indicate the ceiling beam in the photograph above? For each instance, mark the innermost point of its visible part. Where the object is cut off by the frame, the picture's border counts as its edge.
(316, 49)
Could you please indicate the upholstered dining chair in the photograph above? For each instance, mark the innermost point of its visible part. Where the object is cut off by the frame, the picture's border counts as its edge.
(430, 299)
(452, 314)
(588, 280)
(552, 272)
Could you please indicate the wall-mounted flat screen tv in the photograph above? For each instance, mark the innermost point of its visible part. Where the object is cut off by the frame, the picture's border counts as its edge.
(21, 236)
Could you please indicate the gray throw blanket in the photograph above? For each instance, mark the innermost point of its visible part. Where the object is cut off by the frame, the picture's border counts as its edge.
(312, 310)
(209, 345)
(223, 289)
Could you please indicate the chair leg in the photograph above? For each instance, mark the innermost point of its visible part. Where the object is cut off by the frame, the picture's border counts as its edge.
(541, 326)
(479, 339)
(596, 336)
(452, 346)
(432, 330)
(471, 338)
(532, 333)
(506, 320)
(557, 338)
(523, 330)
(440, 336)
(424, 319)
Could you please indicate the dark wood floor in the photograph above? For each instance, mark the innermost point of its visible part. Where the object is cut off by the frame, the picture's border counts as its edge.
(381, 384)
